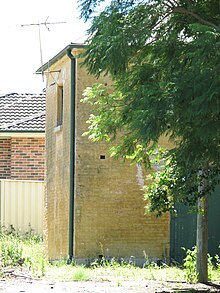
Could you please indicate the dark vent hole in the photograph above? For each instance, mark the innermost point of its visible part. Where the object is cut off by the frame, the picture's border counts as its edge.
(102, 157)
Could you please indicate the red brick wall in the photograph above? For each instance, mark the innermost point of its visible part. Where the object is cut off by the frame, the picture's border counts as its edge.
(25, 158)
(5, 158)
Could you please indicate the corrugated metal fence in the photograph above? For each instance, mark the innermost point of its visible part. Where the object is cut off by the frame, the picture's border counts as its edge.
(21, 205)
(183, 228)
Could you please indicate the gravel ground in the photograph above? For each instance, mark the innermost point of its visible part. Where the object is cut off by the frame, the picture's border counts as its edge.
(33, 286)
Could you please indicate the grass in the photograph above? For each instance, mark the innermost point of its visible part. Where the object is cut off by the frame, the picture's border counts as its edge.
(113, 272)
(22, 251)
(27, 252)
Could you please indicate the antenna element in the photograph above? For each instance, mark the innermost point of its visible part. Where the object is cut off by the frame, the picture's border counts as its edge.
(39, 24)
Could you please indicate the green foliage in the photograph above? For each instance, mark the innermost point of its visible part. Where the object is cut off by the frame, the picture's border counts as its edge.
(15, 247)
(175, 182)
(217, 262)
(113, 263)
(163, 57)
(80, 274)
(22, 250)
(10, 250)
(189, 264)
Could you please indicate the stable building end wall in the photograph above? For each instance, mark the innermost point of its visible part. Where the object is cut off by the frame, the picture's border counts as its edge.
(109, 213)
(110, 217)
(56, 216)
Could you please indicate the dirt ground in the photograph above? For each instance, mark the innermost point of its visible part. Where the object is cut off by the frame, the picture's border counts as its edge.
(17, 285)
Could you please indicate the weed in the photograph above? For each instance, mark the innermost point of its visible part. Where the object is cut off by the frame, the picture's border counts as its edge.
(80, 274)
(59, 263)
(217, 262)
(189, 264)
(10, 250)
(22, 250)
(27, 251)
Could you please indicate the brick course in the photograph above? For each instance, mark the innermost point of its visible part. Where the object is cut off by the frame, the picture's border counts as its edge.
(109, 216)
(22, 158)
(5, 158)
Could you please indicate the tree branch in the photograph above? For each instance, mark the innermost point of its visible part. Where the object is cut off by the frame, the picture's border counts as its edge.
(169, 4)
(183, 10)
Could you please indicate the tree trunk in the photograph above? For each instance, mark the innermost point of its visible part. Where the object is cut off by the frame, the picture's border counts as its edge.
(202, 239)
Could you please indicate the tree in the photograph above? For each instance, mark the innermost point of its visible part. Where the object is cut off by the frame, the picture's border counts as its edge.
(163, 57)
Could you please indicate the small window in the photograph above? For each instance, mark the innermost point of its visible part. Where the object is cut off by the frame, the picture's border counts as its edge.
(59, 106)
(102, 157)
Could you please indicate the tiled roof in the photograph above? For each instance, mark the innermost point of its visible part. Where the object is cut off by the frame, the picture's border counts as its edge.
(22, 112)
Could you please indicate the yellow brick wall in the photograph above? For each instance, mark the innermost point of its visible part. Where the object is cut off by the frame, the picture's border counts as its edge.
(109, 206)
(57, 165)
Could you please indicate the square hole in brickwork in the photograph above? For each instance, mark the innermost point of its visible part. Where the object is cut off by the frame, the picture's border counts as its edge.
(102, 157)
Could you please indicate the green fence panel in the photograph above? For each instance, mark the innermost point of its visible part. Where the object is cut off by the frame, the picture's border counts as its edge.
(183, 228)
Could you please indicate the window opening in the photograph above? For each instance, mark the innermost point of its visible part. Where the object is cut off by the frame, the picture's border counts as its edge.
(59, 105)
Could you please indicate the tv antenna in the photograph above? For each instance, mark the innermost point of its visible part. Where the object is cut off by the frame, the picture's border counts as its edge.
(39, 24)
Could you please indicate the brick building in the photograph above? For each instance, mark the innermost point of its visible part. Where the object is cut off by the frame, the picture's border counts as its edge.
(22, 136)
(94, 203)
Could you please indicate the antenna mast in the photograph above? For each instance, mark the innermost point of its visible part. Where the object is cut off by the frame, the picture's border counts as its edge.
(39, 24)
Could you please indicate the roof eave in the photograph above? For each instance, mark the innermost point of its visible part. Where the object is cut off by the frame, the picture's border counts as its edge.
(58, 56)
(21, 131)
(27, 133)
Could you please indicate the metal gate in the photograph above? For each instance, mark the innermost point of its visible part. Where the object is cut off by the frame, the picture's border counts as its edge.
(183, 228)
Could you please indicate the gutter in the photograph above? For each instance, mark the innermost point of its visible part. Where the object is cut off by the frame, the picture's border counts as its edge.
(21, 131)
(72, 152)
(57, 57)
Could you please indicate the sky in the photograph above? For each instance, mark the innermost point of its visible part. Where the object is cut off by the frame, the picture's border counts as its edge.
(20, 48)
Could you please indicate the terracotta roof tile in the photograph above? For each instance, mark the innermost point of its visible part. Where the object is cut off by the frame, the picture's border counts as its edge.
(22, 112)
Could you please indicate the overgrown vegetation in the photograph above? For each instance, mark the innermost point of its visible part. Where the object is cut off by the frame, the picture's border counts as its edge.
(189, 264)
(27, 253)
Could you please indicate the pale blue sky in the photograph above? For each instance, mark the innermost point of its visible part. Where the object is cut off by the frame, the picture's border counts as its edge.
(19, 51)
